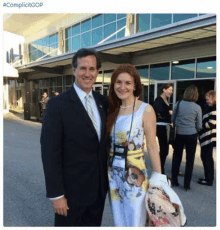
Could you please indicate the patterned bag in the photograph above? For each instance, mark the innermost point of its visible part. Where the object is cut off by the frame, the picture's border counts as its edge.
(160, 210)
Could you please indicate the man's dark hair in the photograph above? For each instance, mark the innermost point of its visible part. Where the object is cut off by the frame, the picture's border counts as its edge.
(84, 52)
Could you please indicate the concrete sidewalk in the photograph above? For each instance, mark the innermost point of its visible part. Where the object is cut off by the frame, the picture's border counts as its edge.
(25, 203)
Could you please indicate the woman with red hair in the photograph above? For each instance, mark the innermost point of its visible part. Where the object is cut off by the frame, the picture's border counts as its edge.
(128, 120)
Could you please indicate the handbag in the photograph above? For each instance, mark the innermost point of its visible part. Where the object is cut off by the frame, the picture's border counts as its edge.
(164, 207)
(172, 129)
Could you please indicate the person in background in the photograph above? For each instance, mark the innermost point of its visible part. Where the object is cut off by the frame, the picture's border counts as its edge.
(56, 93)
(202, 101)
(163, 113)
(43, 102)
(188, 122)
(207, 137)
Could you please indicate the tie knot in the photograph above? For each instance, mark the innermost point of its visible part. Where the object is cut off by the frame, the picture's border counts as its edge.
(88, 97)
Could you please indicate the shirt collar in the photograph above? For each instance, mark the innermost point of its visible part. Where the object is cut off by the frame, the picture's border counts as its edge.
(80, 92)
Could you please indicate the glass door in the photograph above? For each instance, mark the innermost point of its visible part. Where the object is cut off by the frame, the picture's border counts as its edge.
(98, 88)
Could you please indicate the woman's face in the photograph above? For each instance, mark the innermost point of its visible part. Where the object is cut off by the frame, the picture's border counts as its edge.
(168, 92)
(124, 86)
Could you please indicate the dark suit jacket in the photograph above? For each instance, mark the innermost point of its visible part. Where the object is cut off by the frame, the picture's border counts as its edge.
(74, 160)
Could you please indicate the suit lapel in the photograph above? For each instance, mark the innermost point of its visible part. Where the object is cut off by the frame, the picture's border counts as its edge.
(80, 109)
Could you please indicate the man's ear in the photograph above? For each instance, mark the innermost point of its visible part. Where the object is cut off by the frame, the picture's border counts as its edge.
(73, 71)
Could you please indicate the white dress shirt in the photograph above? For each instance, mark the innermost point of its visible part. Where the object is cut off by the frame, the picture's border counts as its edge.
(82, 96)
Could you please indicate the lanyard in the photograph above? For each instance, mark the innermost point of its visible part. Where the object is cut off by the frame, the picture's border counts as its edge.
(125, 148)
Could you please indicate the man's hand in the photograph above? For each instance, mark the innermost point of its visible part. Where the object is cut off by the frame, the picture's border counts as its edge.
(170, 112)
(60, 206)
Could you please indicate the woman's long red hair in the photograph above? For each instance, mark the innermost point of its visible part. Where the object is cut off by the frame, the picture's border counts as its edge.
(114, 101)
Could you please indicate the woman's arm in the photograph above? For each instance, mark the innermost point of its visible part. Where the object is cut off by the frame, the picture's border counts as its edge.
(174, 112)
(161, 110)
(199, 119)
(149, 120)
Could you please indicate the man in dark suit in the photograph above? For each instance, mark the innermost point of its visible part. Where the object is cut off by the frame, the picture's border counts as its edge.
(74, 149)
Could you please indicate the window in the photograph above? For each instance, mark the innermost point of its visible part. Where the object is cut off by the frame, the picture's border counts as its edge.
(69, 32)
(160, 71)
(107, 76)
(119, 16)
(68, 45)
(86, 25)
(53, 81)
(41, 47)
(143, 22)
(53, 38)
(206, 67)
(59, 81)
(109, 18)
(76, 42)
(97, 21)
(121, 24)
(143, 71)
(68, 80)
(97, 36)
(99, 28)
(183, 70)
(181, 17)
(109, 30)
(160, 20)
(76, 30)
(86, 40)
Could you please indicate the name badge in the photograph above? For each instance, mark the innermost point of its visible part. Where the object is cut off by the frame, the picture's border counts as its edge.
(118, 162)
(119, 156)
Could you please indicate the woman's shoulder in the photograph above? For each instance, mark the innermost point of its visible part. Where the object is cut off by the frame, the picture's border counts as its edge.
(142, 104)
(145, 107)
(158, 99)
(192, 104)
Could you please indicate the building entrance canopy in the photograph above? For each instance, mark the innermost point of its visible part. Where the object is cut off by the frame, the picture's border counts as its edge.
(123, 49)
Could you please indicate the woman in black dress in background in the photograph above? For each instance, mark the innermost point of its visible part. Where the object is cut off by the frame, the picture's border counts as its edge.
(163, 113)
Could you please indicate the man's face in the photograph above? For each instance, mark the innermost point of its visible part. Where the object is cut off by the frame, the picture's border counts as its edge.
(45, 95)
(210, 100)
(86, 72)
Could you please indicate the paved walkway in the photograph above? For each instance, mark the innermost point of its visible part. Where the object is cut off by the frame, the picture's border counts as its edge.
(25, 203)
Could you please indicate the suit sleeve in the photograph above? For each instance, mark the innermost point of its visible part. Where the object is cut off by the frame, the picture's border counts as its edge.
(51, 149)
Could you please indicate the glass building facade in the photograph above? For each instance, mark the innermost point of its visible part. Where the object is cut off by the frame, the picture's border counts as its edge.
(95, 30)
(98, 29)
(152, 74)
(44, 47)
(151, 21)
